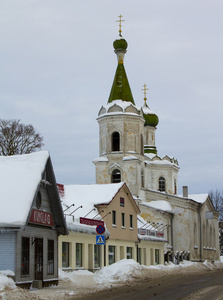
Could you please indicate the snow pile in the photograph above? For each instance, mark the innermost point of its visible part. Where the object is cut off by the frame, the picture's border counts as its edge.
(82, 282)
(6, 282)
(121, 271)
(78, 277)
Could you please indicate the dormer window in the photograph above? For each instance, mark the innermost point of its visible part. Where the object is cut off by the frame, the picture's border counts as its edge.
(162, 184)
(115, 141)
(116, 176)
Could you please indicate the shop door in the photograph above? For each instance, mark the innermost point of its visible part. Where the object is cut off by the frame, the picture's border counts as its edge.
(38, 259)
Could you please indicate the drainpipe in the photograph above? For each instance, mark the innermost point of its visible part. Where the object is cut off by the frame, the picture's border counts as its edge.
(199, 206)
(171, 222)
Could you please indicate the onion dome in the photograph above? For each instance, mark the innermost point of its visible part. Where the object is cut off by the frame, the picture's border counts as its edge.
(120, 44)
(151, 119)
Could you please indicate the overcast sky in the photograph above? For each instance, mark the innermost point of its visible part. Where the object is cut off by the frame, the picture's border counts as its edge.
(58, 64)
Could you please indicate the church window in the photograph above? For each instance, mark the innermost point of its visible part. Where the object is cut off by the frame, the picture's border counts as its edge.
(115, 141)
(116, 176)
(142, 146)
(162, 184)
(142, 178)
(175, 186)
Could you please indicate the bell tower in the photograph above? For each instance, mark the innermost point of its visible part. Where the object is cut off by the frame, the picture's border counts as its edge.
(121, 130)
(127, 149)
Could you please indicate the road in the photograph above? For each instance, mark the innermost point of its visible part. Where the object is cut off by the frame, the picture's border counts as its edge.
(205, 286)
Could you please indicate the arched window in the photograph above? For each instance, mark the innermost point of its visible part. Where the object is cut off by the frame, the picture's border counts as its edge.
(195, 234)
(142, 145)
(162, 184)
(175, 186)
(142, 178)
(115, 141)
(116, 176)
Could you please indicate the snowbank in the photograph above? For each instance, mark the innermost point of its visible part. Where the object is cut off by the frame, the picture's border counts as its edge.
(82, 282)
(6, 282)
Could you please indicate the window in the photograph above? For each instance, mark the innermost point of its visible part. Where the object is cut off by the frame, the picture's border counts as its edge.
(50, 257)
(115, 141)
(111, 255)
(38, 200)
(123, 220)
(65, 255)
(97, 256)
(116, 176)
(162, 185)
(142, 146)
(131, 221)
(78, 255)
(113, 217)
(175, 186)
(142, 178)
(157, 256)
(129, 252)
(122, 201)
(25, 256)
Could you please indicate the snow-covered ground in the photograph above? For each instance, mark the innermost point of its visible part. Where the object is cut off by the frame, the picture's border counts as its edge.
(78, 283)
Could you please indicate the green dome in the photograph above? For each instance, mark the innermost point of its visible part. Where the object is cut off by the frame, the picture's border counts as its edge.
(120, 44)
(150, 117)
(151, 120)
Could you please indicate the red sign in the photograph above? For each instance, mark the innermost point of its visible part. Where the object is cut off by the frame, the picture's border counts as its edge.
(160, 234)
(41, 218)
(91, 222)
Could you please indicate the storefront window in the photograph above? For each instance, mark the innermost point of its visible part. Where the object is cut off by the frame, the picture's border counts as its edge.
(25, 256)
(65, 255)
(157, 258)
(97, 256)
(50, 262)
(111, 255)
(78, 255)
(129, 252)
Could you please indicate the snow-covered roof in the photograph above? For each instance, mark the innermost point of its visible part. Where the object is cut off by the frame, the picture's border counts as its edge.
(199, 198)
(155, 159)
(159, 204)
(101, 158)
(86, 196)
(117, 107)
(130, 157)
(147, 110)
(19, 179)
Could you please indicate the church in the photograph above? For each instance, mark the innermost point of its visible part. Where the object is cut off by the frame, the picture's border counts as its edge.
(128, 153)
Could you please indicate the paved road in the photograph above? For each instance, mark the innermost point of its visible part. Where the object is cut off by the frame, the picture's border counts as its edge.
(205, 286)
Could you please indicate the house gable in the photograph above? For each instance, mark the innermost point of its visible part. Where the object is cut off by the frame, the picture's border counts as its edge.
(121, 215)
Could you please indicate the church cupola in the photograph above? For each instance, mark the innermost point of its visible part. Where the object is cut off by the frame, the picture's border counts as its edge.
(120, 88)
(151, 121)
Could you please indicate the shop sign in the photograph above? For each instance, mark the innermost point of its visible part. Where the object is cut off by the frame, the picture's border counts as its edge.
(41, 218)
(151, 233)
(159, 234)
(91, 222)
(142, 231)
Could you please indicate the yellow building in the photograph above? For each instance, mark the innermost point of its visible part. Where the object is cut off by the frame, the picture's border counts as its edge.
(90, 207)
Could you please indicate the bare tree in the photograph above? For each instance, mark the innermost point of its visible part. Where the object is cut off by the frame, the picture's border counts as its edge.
(17, 138)
(217, 200)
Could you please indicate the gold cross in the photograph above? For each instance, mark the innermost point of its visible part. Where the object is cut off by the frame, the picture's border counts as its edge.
(145, 89)
(120, 24)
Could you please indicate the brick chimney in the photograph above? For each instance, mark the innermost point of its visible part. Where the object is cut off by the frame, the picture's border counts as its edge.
(185, 191)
